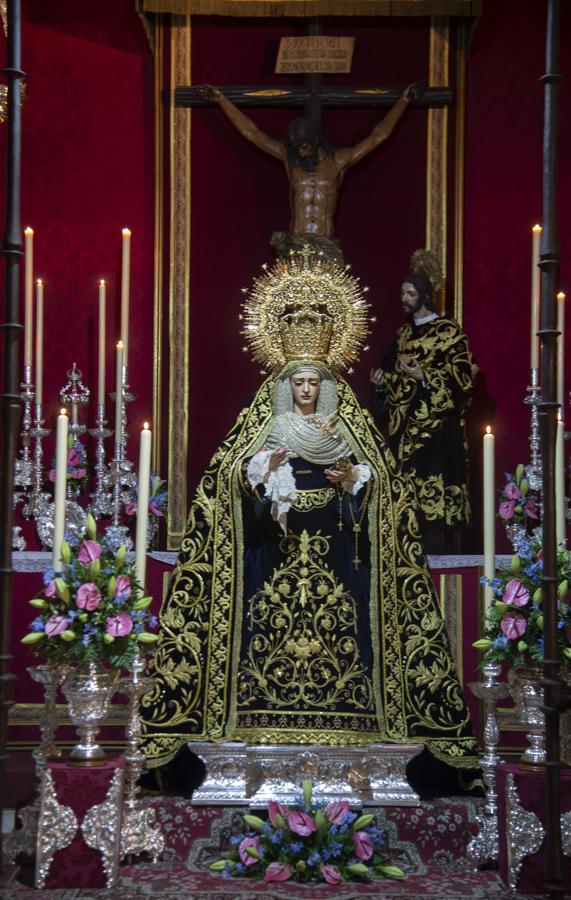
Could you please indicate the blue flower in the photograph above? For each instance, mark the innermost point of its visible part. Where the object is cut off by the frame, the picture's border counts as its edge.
(153, 622)
(49, 575)
(501, 641)
(349, 817)
(85, 639)
(239, 868)
(296, 847)
(325, 854)
(277, 836)
(236, 838)
(343, 829)
(37, 625)
(314, 859)
(137, 628)
(335, 848)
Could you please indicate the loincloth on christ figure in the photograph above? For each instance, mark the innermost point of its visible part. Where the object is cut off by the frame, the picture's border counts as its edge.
(284, 243)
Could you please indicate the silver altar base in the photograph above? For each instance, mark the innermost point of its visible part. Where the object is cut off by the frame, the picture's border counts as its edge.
(242, 775)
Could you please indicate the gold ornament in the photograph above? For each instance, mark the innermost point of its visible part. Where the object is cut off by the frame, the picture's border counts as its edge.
(305, 308)
(425, 261)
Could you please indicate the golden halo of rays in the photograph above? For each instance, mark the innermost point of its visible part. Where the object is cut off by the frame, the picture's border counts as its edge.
(305, 307)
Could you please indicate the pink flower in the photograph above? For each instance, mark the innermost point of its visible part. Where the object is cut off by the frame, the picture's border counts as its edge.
(245, 858)
(88, 597)
(155, 509)
(363, 845)
(530, 509)
(88, 552)
(78, 473)
(507, 510)
(52, 475)
(512, 491)
(274, 808)
(331, 874)
(123, 587)
(337, 811)
(513, 626)
(50, 588)
(301, 823)
(72, 458)
(516, 593)
(55, 625)
(119, 625)
(278, 872)
(131, 508)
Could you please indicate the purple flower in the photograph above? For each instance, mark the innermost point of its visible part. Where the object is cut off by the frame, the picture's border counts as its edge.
(88, 597)
(300, 823)
(363, 845)
(513, 626)
(120, 625)
(278, 872)
(512, 491)
(516, 593)
(123, 587)
(245, 857)
(273, 807)
(156, 510)
(55, 625)
(337, 811)
(89, 551)
(530, 509)
(50, 589)
(331, 874)
(507, 510)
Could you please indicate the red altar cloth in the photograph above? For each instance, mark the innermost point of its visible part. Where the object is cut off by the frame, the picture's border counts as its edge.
(530, 788)
(81, 788)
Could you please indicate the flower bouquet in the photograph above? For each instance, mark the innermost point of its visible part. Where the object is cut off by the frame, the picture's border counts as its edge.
(77, 471)
(514, 624)
(308, 844)
(94, 610)
(518, 507)
(158, 502)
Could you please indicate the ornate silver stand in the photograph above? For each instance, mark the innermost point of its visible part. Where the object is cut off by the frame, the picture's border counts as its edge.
(37, 500)
(371, 775)
(23, 474)
(484, 847)
(139, 830)
(534, 471)
(101, 499)
(121, 475)
(73, 395)
(23, 840)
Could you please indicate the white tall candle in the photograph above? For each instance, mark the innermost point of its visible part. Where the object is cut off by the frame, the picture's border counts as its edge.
(489, 515)
(560, 523)
(125, 278)
(535, 294)
(28, 295)
(39, 342)
(60, 489)
(101, 347)
(143, 505)
(119, 394)
(561, 352)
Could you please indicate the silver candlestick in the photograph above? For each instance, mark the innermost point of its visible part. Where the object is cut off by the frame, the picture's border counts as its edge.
(140, 832)
(23, 472)
(101, 499)
(484, 847)
(534, 471)
(73, 395)
(38, 500)
(120, 474)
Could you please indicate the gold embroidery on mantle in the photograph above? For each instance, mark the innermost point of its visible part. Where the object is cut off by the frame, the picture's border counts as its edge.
(304, 648)
(313, 498)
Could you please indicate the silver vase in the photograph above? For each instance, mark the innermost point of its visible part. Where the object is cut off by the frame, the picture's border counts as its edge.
(88, 690)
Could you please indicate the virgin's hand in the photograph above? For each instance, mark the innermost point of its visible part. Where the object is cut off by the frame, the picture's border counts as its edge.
(335, 476)
(376, 377)
(277, 458)
(412, 368)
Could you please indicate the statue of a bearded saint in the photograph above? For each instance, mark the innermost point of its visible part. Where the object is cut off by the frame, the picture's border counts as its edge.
(301, 609)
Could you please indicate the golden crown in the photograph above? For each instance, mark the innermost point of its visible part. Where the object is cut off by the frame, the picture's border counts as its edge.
(305, 308)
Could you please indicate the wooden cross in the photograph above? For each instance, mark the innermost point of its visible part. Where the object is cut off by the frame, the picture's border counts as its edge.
(313, 95)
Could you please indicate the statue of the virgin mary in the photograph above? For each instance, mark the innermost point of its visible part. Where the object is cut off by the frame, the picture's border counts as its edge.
(301, 609)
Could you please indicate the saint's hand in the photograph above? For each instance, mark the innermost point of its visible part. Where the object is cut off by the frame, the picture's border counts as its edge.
(411, 368)
(376, 378)
(278, 458)
(207, 92)
(336, 476)
(414, 91)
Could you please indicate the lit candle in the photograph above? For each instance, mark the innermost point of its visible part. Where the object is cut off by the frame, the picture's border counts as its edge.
(143, 505)
(119, 395)
(489, 515)
(60, 489)
(39, 341)
(28, 295)
(560, 523)
(101, 347)
(125, 275)
(535, 294)
(561, 352)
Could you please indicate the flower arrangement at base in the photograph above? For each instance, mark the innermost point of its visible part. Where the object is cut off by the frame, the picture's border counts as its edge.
(518, 504)
(514, 624)
(158, 498)
(93, 611)
(308, 844)
(77, 468)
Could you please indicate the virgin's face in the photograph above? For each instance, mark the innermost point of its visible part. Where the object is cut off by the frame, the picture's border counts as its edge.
(305, 385)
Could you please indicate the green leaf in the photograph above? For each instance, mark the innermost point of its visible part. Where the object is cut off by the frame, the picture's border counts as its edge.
(68, 635)
(254, 822)
(392, 871)
(62, 591)
(38, 603)
(516, 565)
(145, 637)
(33, 637)
(357, 869)
(91, 527)
(65, 552)
(307, 791)
(563, 589)
(111, 587)
(142, 603)
(483, 644)
(363, 821)
(217, 866)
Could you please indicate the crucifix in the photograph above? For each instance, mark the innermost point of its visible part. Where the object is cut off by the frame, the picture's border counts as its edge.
(315, 170)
